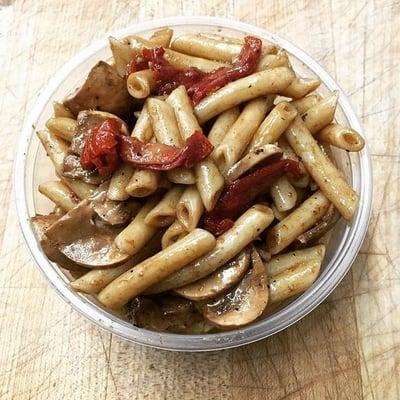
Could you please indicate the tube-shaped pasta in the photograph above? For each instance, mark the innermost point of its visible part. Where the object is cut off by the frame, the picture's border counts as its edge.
(246, 228)
(62, 127)
(189, 208)
(239, 135)
(300, 87)
(97, 279)
(209, 180)
(282, 262)
(163, 214)
(321, 114)
(156, 268)
(288, 153)
(56, 149)
(269, 61)
(274, 124)
(175, 232)
(283, 194)
(120, 179)
(140, 84)
(143, 129)
(59, 110)
(297, 222)
(320, 167)
(293, 281)
(270, 81)
(206, 47)
(143, 183)
(122, 54)
(222, 124)
(305, 103)
(135, 236)
(166, 131)
(59, 194)
(162, 37)
(176, 58)
(278, 214)
(341, 136)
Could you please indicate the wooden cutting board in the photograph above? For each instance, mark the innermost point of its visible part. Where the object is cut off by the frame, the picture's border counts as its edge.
(348, 348)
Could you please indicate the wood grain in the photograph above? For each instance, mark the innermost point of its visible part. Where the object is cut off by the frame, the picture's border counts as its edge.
(349, 348)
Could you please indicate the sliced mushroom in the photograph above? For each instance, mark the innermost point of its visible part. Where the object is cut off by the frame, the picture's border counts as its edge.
(72, 168)
(219, 281)
(111, 211)
(311, 236)
(85, 239)
(263, 154)
(103, 90)
(41, 224)
(245, 302)
(166, 313)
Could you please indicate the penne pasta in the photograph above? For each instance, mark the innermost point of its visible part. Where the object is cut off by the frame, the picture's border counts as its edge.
(140, 84)
(143, 129)
(62, 127)
(207, 47)
(288, 153)
(246, 228)
(122, 55)
(222, 124)
(163, 214)
(209, 181)
(305, 103)
(162, 37)
(321, 114)
(97, 279)
(156, 268)
(293, 281)
(59, 110)
(176, 58)
(300, 87)
(175, 232)
(302, 218)
(278, 214)
(342, 137)
(137, 234)
(189, 208)
(322, 170)
(270, 81)
(241, 132)
(143, 183)
(283, 194)
(166, 131)
(270, 61)
(59, 194)
(283, 262)
(119, 180)
(274, 124)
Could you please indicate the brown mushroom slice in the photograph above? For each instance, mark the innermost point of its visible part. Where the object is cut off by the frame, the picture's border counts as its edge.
(72, 168)
(219, 281)
(85, 239)
(111, 211)
(263, 154)
(103, 90)
(40, 224)
(327, 222)
(166, 313)
(245, 303)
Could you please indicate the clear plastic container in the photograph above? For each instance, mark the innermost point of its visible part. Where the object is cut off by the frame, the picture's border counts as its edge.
(32, 167)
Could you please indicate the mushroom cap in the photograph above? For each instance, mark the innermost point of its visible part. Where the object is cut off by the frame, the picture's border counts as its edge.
(85, 239)
(244, 303)
(219, 281)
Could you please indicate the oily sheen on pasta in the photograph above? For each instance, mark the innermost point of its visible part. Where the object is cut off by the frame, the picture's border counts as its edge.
(193, 185)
